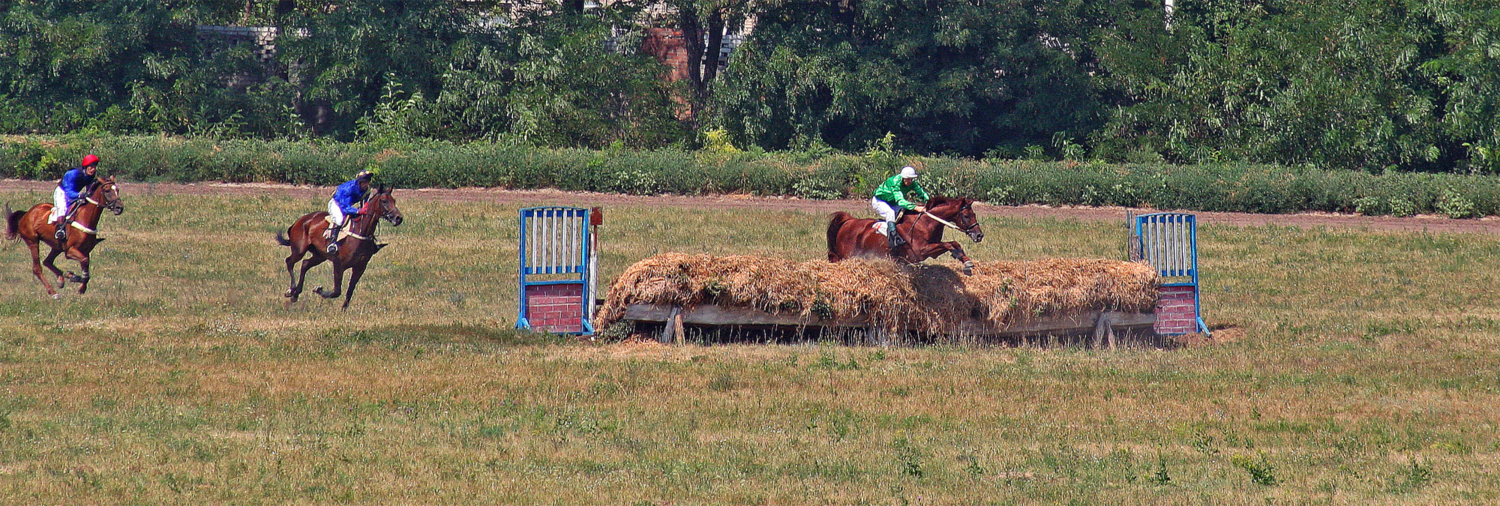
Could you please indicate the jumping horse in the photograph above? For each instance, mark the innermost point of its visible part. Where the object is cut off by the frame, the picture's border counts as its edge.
(850, 237)
(354, 252)
(34, 228)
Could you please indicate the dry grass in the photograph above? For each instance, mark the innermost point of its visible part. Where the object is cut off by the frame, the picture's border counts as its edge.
(933, 298)
(1363, 370)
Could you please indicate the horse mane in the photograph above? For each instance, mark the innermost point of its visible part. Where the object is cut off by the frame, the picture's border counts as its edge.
(939, 201)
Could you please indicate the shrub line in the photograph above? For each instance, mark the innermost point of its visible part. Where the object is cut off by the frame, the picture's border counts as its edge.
(1227, 187)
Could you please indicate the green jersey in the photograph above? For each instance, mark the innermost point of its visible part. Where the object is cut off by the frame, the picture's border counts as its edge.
(892, 192)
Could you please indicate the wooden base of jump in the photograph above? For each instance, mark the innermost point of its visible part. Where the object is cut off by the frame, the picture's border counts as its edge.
(1106, 328)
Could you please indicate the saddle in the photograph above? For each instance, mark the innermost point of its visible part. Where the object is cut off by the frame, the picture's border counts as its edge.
(343, 232)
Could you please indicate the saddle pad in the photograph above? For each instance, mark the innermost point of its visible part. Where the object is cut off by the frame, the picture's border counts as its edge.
(343, 233)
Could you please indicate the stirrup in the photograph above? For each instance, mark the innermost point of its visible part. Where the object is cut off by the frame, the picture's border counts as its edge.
(62, 233)
(333, 247)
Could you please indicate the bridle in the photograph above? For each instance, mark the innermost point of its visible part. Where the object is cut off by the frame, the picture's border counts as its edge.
(388, 213)
(949, 224)
(112, 204)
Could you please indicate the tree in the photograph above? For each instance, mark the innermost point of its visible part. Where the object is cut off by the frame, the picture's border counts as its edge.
(1363, 85)
(946, 76)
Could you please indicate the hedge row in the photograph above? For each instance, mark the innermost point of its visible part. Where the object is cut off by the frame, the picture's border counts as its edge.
(1223, 187)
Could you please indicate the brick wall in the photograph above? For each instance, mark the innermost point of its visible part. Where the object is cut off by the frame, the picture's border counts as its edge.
(1175, 312)
(669, 47)
(555, 308)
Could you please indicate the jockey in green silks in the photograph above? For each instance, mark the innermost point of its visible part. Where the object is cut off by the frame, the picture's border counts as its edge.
(900, 191)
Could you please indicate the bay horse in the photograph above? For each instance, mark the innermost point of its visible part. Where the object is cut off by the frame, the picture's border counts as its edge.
(850, 237)
(306, 236)
(34, 228)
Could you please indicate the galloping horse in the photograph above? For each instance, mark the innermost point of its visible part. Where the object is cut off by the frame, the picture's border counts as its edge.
(306, 235)
(33, 227)
(850, 237)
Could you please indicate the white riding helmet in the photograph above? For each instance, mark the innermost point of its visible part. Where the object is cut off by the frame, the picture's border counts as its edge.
(908, 172)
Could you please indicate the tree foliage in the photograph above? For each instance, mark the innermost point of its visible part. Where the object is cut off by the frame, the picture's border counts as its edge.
(1366, 84)
(944, 76)
(1358, 84)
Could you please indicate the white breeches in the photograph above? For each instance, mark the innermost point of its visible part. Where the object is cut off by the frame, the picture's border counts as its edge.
(59, 204)
(337, 213)
(884, 209)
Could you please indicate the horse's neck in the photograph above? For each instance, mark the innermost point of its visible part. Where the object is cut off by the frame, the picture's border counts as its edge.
(368, 220)
(929, 228)
(88, 213)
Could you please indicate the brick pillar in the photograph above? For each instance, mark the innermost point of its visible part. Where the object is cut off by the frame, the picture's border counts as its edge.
(1175, 311)
(667, 45)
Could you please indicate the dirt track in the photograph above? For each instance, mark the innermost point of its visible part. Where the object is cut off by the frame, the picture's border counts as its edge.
(1429, 223)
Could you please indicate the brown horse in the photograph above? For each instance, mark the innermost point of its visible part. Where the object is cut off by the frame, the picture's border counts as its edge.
(33, 227)
(849, 237)
(306, 236)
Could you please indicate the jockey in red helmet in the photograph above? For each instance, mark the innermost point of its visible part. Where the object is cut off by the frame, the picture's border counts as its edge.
(69, 191)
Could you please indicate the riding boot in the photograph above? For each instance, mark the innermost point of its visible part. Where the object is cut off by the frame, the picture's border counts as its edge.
(895, 236)
(333, 239)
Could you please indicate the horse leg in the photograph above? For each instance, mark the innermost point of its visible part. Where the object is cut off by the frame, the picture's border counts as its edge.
(354, 274)
(291, 273)
(338, 283)
(36, 266)
(935, 250)
(958, 254)
(50, 264)
(79, 256)
(311, 262)
(83, 282)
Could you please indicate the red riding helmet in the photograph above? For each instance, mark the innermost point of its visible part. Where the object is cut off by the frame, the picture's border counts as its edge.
(89, 160)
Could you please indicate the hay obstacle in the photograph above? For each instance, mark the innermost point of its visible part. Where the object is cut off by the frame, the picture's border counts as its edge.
(1019, 302)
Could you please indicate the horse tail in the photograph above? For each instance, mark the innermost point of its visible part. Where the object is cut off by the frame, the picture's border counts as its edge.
(835, 224)
(12, 223)
(282, 240)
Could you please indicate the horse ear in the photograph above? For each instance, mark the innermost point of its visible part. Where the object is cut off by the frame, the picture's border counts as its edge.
(384, 189)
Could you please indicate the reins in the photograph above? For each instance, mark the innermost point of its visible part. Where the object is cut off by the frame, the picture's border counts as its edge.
(945, 223)
(79, 225)
(374, 218)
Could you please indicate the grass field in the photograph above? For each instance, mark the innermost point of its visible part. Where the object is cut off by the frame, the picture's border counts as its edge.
(1353, 367)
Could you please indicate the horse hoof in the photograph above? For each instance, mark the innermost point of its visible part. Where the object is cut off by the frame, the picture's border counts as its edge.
(56, 297)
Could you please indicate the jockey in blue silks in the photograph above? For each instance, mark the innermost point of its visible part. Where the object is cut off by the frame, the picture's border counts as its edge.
(347, 200)
(69, 191)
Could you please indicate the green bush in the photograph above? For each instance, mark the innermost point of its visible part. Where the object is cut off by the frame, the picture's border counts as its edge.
(813, 175)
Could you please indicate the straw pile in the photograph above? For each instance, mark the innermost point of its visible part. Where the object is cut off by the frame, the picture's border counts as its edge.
(931, 298)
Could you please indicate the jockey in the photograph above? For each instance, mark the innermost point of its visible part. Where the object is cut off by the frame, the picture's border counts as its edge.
(898, 192)
(69, 191)
(346, 201)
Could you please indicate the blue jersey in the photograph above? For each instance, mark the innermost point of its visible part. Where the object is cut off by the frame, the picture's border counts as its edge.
(349, 196)
(74, 182)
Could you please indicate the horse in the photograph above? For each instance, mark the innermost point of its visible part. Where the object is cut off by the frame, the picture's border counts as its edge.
(306, 236)
(850, 237)
(35, 228)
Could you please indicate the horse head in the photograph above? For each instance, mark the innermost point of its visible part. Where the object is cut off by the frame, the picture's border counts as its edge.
(384, 204)
(106, 194)
(960, 211)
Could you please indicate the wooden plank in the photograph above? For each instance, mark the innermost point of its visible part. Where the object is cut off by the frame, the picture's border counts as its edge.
(719, 315)
(677, 329)
(728, 316)
(668, 335)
